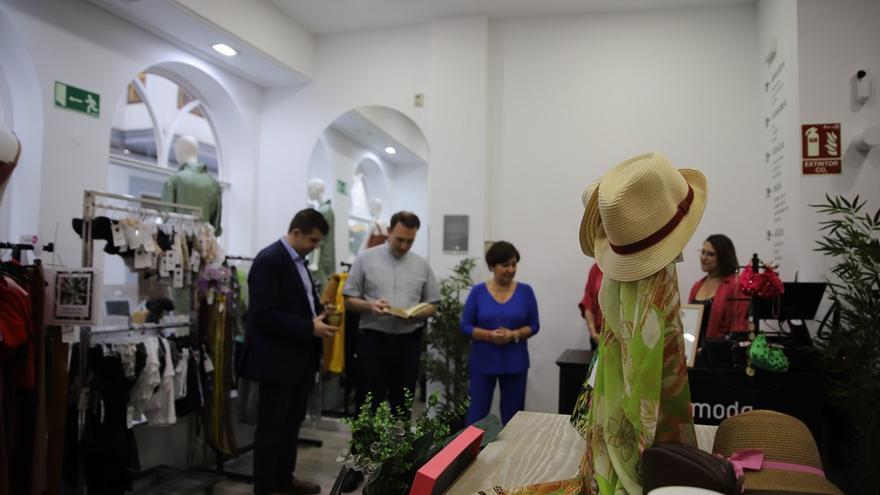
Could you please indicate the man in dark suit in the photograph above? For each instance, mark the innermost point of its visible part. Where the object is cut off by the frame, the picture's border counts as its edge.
(282, 350)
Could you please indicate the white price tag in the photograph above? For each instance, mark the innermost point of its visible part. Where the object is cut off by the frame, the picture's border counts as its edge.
(142, 259)
(209, 365)
(69, 334)
(149, 244)
(194, 261)
(177, 282)
(119, 237)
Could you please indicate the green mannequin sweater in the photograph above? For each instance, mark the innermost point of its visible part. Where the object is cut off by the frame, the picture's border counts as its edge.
(192, 185)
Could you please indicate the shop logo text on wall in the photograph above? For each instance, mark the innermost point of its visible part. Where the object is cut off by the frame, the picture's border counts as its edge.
(74, 98)
(717, 412)
(820, 149)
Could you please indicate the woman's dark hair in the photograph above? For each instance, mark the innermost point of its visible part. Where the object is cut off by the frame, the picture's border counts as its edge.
(306, 221)
(725, 254)
(501, 252)
(409, 220)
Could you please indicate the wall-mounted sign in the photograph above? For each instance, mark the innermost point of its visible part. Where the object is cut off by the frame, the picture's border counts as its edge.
(455, 233)
(74, 98)
(821, 149)
(341, 187)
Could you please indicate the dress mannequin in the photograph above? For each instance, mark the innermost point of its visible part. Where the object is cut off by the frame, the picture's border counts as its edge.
(378, 231)
(192, 184)
(323, 260)
(10, 150)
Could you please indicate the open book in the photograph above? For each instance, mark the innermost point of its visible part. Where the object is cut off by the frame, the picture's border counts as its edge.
(408, 312)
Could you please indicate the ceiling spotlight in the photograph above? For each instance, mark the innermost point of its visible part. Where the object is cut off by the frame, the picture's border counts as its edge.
(224, 49)
(391, 150)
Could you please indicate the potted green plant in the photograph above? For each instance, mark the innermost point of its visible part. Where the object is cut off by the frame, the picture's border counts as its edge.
(388, 447)
(446, 359)
(852, 352)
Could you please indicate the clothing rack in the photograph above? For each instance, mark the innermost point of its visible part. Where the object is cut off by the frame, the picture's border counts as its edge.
(147, 207)
(17, 248)
(239, 258)
(93, 202)
(137, 328)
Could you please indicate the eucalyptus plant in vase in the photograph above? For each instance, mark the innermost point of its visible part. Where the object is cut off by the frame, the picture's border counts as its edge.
(852, 352)
(388, 447)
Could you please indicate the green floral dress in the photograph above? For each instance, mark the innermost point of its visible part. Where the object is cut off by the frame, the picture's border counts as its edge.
(641, 393)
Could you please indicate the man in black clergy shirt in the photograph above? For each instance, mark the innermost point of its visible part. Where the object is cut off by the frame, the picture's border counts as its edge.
(282, 350)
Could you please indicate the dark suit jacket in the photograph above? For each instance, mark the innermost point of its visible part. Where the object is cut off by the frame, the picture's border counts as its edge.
(280, 346)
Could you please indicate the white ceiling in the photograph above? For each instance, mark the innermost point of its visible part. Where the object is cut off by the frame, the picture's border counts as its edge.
(339, 16)
(169, 20)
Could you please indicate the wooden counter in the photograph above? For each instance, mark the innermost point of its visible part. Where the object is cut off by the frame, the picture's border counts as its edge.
(532, 448)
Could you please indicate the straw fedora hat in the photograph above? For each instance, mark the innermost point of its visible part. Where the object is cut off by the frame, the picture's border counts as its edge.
(791, 462)
(645, 213)
(590, 221)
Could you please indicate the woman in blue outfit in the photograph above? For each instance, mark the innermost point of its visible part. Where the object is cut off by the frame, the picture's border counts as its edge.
(500, 316)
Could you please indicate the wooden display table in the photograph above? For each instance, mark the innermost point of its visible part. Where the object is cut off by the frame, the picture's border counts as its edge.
(532, 448)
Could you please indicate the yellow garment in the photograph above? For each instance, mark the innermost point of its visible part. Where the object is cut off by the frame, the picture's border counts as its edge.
(334, 347)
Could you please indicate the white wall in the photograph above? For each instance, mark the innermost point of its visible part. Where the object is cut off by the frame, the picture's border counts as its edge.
(575, 96)
(373, 68)
(778, 166)
(409, 185)
(81, 45)
(459, 121)
(836, 39)
(23, 114)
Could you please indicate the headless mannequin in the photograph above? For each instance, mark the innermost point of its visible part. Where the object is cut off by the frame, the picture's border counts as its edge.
(322, 262)
(378, 231)
(192, 184)
(10, 150)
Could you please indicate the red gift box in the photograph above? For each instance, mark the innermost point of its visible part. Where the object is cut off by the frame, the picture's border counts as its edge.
(438, 473)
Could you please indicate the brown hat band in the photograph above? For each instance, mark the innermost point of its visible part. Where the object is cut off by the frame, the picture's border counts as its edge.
(660, 234)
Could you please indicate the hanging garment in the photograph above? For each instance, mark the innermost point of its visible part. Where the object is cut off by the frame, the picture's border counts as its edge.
(334, 347)
(378, 235)
(641, 392)
(214, 328)
(192, 185)
(37, 292)
(146, 383)
(322, 262)
(16, 325)
(102, 443)
(160, 408)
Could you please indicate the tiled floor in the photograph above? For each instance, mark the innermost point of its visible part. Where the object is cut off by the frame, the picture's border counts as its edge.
(315, 464)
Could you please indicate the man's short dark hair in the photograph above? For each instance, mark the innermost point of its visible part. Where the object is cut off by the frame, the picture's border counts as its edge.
(501, 252)
(306, 221)
(407, 218)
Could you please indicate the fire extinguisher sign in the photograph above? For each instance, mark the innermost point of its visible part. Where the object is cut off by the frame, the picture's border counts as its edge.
(821, 148)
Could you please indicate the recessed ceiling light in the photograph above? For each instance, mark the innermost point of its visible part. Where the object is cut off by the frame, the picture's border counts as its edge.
(224, 49)
(391, 150)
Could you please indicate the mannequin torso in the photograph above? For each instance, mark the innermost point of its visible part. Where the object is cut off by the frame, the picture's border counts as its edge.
(193, 185)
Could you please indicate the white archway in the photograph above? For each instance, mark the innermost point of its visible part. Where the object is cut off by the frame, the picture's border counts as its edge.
(351, 157)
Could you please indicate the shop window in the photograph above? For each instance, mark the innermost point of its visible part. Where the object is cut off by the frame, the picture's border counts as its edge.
(152, 115)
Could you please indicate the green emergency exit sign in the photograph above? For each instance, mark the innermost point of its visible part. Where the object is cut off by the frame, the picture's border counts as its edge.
(73, 98)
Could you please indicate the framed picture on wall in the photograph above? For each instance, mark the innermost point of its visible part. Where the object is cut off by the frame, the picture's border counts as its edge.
(691, 317)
